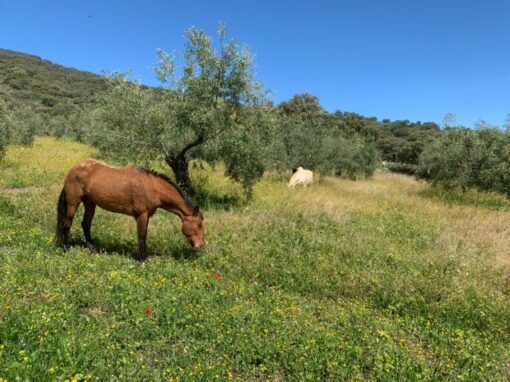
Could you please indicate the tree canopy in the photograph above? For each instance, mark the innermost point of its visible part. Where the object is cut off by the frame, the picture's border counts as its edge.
(209, 109)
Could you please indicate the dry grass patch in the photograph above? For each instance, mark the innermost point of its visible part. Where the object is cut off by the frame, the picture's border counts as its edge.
(480, 232)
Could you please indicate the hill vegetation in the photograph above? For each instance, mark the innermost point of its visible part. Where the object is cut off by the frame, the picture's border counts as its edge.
(47, 88)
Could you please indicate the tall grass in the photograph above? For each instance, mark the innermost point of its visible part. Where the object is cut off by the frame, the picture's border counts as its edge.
(369, 280)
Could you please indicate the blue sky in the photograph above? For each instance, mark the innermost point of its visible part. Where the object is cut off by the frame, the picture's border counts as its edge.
(414, 59)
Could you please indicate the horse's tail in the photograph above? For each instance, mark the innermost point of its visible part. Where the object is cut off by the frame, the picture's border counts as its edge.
(61, 216)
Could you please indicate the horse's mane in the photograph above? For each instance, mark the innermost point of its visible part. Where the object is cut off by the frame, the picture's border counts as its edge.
(164, 177)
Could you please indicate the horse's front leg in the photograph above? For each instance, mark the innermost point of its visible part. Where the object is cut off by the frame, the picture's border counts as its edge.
(142, 221)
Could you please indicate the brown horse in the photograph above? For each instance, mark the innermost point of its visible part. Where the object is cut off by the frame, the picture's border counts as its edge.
(131, 190)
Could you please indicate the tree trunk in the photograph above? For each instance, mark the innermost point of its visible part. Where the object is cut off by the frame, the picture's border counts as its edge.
(180, 166)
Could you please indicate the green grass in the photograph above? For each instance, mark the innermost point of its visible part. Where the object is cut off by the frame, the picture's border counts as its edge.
(368, 280)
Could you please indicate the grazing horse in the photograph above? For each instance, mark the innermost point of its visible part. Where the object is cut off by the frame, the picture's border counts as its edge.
(131, 190)
(300, 177)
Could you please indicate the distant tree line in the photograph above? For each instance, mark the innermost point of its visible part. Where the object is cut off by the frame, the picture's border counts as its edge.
(309, 136)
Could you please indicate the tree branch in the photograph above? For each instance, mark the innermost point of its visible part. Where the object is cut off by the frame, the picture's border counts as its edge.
(189, 146)
(182, 153)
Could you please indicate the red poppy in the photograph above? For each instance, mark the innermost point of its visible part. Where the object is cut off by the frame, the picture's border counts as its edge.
(148, 311)
(216, 276)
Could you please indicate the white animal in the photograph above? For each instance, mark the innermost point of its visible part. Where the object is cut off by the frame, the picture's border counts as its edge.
(301, 177)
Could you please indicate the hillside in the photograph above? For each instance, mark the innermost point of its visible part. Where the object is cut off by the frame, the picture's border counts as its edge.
(46, 87)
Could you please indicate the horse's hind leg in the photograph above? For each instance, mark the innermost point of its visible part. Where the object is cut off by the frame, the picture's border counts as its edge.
(72, 206)
(90, 209)
(68, 202)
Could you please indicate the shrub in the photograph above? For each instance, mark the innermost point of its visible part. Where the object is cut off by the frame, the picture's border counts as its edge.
(17, 125)
(468, 158)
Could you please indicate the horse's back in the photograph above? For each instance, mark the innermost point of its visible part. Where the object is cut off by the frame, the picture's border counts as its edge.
(89, 171)
(118, 189)
(85, 168)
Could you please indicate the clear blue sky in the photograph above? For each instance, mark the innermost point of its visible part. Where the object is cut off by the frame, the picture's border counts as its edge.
(414, 59)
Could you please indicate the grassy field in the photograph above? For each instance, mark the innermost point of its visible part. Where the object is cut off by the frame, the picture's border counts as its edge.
(384, 279)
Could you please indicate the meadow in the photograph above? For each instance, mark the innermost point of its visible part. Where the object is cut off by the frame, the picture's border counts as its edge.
(382, 279)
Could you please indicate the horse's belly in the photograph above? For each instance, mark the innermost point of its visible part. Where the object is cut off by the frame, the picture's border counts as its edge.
(114, 199)
(110, 204)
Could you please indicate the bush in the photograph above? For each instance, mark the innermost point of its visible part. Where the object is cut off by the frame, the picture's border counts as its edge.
(468, 158)
(17, 126)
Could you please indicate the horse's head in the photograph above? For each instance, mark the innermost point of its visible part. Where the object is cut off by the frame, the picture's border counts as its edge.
(193, 230)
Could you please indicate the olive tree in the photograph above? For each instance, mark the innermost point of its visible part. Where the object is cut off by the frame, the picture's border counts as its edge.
(469, 158)
(449, 160)
(210, 108)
